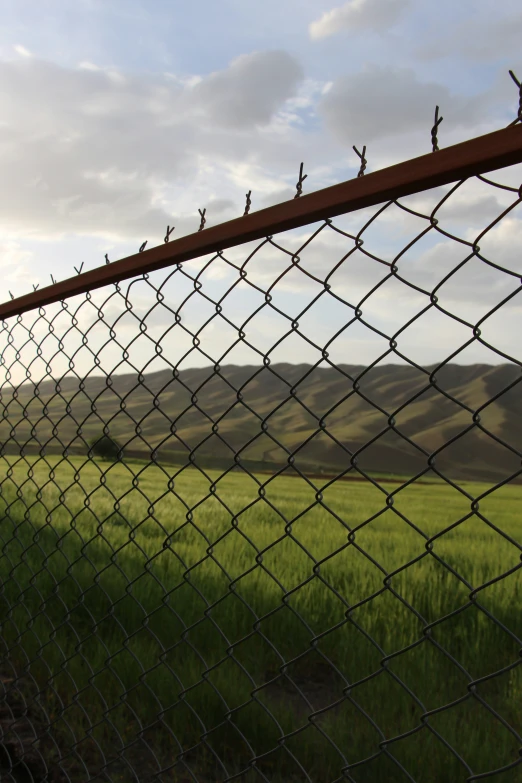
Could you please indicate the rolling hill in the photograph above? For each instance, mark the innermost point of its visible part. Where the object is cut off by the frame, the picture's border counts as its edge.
(317, 417)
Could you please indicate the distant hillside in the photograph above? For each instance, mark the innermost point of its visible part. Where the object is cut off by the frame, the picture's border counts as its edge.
(313, 413)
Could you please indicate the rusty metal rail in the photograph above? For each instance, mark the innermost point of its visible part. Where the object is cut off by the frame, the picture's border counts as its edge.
(477, 156)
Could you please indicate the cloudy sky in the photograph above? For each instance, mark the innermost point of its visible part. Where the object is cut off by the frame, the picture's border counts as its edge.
(120, 117)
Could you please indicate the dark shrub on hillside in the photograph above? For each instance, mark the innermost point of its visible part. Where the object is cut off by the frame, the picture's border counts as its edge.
(105, 447)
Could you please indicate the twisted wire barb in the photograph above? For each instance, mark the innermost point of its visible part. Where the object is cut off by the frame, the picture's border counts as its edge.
(437, 122)
(299, 184)
(248, 203)
(361, 155)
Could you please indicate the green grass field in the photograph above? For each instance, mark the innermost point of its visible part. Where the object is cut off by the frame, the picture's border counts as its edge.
(129, 595)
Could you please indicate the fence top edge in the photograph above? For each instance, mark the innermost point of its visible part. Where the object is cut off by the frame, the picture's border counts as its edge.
(482, 154)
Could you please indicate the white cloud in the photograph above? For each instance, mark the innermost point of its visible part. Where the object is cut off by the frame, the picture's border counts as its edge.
(11, 254)
(243, 174)
(381, 102)
(249, 92)
(91, 150)
(87, 66)
(184, 81)
(377, 15)
(16, 264)
(477, 38)
(22, 51)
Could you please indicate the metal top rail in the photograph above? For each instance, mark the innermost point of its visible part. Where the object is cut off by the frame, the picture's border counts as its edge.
(477, 156)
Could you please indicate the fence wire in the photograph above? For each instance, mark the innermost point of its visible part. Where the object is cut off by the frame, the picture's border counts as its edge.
(260, 510)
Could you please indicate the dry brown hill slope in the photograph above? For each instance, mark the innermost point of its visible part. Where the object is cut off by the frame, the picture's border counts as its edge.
(319, 417)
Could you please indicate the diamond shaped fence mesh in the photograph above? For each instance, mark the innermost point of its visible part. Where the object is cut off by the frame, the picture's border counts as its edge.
(260, 508)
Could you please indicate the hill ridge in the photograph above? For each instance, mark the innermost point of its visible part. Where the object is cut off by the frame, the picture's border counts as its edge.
(391, 417)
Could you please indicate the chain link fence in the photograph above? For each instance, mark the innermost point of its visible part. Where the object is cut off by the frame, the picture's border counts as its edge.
(260, 506)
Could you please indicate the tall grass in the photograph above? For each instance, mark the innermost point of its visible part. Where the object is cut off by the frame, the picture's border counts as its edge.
(234, 608)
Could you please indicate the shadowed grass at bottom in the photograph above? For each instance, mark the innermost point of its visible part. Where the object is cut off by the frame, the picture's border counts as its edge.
(199, 614)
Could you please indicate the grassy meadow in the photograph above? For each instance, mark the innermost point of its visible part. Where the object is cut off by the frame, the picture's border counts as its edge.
(160, 609)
